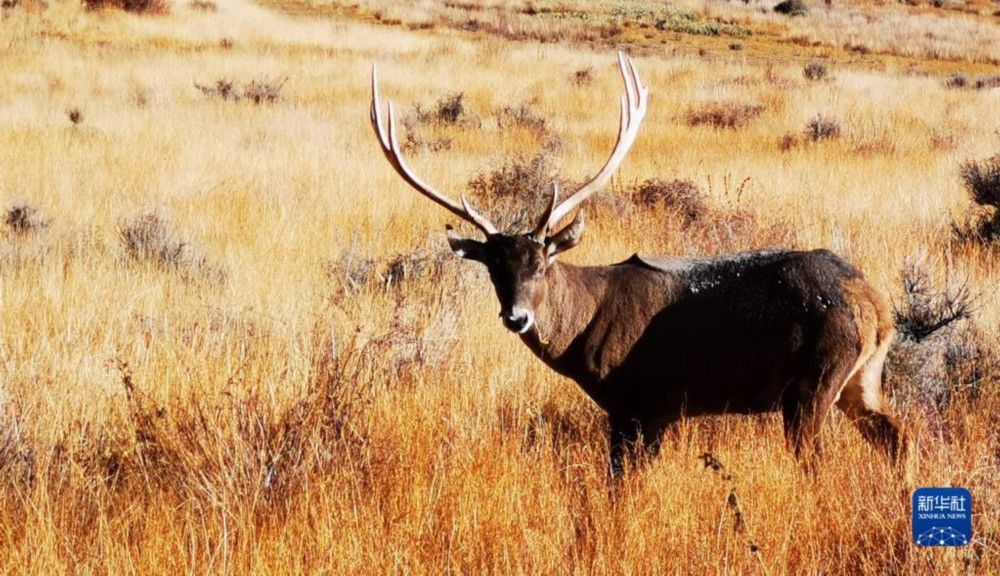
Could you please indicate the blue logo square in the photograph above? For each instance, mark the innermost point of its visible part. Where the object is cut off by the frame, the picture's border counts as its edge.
(942, 517)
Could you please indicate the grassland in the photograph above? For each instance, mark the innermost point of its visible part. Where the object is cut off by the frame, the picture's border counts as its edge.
(232, 341)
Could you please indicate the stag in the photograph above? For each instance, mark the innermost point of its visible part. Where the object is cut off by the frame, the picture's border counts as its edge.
(650, 340)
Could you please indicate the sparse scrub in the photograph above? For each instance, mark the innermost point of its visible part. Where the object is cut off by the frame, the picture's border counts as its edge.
(354, 273)
(982, 181)
(148, 239)
(792, 8)
(815, 70)
(788, 142)
(134, 6)
(75, 115)
(986, 82)
(519, 188)
(204, 5)
(23, 219)
(522, 115)
(450, 108)
(257, 91)
(681, 196)
(724, 115)
(939, 352)
(691, 23)
(583, 76)
(822, 128)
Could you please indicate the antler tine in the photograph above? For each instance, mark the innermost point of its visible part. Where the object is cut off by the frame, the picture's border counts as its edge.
(392, 151)
(538, 234)
(633, 110)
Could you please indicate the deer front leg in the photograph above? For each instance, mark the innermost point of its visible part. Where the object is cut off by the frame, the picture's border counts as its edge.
(626, 432)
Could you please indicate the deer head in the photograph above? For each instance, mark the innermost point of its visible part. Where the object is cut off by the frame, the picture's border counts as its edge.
(518, 263)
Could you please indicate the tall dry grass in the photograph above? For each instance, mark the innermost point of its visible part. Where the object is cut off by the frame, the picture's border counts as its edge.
(293, 376)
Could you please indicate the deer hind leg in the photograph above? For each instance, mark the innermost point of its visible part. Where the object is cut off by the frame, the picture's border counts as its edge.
(808, 399)
(861, 400)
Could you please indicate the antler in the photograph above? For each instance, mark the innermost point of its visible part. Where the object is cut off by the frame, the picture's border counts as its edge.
(633, 104)
(390, 147)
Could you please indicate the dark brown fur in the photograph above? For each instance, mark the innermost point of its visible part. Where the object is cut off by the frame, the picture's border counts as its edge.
(749, 333)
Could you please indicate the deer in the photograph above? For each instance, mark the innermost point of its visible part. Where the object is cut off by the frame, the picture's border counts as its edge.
(652, 340)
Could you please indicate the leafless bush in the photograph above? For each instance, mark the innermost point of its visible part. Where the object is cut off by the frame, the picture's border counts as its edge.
(203, 5)
(982, 181)
(449, 109)
(986, 82)
(241, 445)
(956, 81)
(22, 219)
(415, 144)
(75, 115)
(134, 6)
(353, 273)
(681, 196)
(925, 310)
(519, 188)
(815, 70)
(822, 128)
(940, 351)
(730, 115)
(263, 91)
(792, 8)
(583, 76)
(256, 91)
(788, 142)
(148, 239)
(522, 115)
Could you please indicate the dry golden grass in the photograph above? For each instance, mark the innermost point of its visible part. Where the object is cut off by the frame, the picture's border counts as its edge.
(271, 388)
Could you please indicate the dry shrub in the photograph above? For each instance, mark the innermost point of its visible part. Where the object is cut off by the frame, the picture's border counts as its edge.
(240, 446)
(522, 116)
(788, 141)
(256, 91)
(354, 273)
(729, 115)
(583, 76)
(133, 6)
(148, 239)
(982, 181)
(518, 189)
(681, 196)
(449, 109)
(792, 8)
(815, 70)
(940, 352)
(822, 128)
(986, 82)
(75, 115)
(956, 81)
(24, 219)
(203, 5)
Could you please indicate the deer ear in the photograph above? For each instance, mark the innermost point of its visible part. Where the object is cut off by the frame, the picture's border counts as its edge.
(465, 247)
(566, 238)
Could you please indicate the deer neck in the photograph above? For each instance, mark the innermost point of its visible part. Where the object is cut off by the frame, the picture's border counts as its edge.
(569, 306)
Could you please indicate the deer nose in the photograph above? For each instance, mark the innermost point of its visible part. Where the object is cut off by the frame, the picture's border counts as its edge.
(519, 320)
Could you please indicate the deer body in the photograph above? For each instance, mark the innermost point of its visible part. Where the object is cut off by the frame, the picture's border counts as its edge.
(650, 340)
(749, 333)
